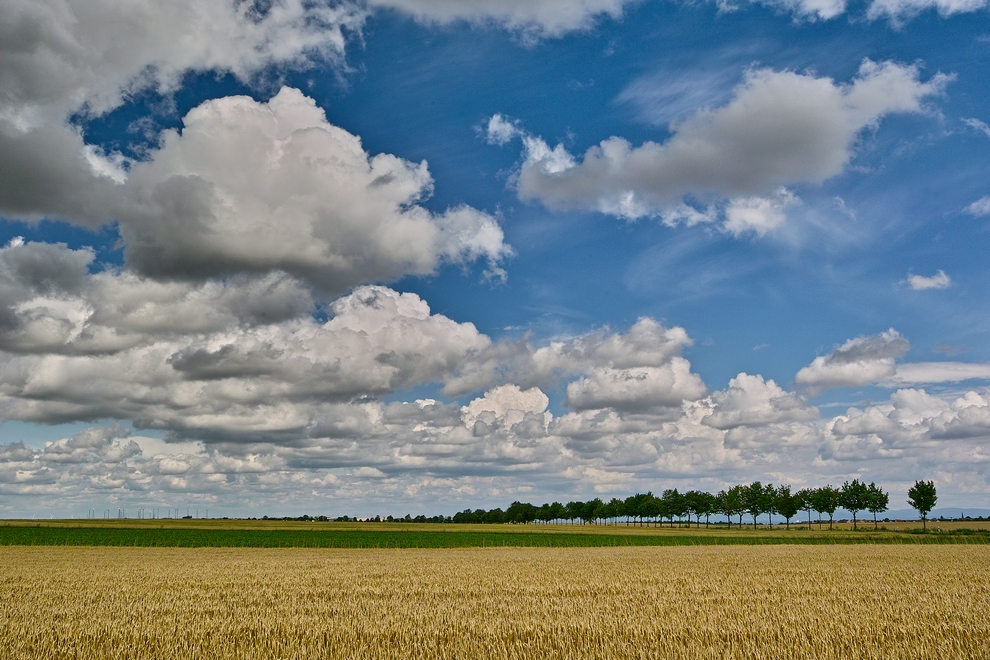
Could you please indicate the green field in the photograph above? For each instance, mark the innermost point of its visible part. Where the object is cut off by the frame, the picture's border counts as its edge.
(279, 534)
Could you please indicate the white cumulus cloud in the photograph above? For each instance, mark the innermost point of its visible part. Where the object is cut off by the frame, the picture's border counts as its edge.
(759, 215)
(875, 360)
(59, 57)
(937, 281)
(241, 358)
(500, 130)
(780, 128)
(250, 187)
(859, 361)
(915, 425)
(752, 401)
(640, 370)
(980, 207)
(636, 388)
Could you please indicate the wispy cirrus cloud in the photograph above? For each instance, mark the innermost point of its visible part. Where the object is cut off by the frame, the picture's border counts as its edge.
(534, 20)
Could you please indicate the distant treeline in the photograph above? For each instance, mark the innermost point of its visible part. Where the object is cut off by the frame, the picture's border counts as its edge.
(674, 507)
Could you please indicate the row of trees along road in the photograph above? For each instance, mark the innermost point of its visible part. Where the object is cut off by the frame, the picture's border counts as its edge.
(753, 500)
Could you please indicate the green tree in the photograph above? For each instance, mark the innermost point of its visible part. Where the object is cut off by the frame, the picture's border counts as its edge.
(709, 505)
(770, 502)
(735, 500)
(675, 504)
(721, 505)
(558, 510)
(467, 516)
(650, 507)
(643, 505)
(853, 497)
(663, 508)
(754, 500)
(494, 516)
(592, 510)
(787, 504)
(631, 507)
(826, 500)
(617, 508)
(694, 503)
(521, 512)
(876, 501)
(574, 510)
(544, 514)
(804, 502)
(922, 497)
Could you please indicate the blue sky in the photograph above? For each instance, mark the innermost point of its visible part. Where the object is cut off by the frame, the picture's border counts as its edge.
(347, 256)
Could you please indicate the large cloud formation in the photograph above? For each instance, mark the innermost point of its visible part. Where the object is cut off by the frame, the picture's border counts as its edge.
(60, 57)
(505, 444)
(245, 187)
(781, 128)
(275, 409)
(915, 424)
(243, 357)
(250, 187)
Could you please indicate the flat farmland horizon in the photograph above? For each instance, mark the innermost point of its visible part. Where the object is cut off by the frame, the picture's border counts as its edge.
(296, 534)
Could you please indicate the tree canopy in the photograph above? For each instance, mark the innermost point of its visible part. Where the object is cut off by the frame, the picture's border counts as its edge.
(922, 497)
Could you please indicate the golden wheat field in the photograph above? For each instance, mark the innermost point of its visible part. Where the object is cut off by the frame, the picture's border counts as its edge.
(639, 602)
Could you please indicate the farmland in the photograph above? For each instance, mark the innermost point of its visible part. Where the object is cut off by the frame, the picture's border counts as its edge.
(834, 601)
(289, 534)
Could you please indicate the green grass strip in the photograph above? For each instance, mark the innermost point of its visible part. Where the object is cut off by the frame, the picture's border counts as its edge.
(255, 538)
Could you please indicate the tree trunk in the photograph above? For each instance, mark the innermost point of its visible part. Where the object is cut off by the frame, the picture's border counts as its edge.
(875, 521)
